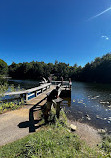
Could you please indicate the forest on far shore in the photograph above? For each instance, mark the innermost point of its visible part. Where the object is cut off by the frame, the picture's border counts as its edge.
(98, 70)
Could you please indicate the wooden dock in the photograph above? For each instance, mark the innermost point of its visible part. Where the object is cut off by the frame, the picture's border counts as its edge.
(36, 91)
(40, 97)
(19, 123)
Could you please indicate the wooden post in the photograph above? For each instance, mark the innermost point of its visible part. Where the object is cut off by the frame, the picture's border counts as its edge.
(21, 96)
(61, 81)
(35, 93)
(70, 83)
(26, 97)
(42, 90)
(57, 101)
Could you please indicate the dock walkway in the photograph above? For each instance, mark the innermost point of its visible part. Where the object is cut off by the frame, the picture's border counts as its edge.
(19, 123)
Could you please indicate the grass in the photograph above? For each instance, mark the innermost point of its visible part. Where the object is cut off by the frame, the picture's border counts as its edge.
(106, 144)
(49, 143)
(52, 141)
(9, 105)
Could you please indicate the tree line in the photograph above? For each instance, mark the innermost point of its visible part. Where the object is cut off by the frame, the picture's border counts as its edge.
(98, 70)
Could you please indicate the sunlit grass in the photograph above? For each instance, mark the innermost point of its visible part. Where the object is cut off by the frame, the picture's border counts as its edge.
(52, 141)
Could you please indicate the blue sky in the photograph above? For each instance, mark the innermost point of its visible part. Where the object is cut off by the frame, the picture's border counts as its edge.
(70, 31)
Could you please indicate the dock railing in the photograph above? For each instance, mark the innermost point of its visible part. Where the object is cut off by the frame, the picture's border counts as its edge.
(63, 83)
(27, 94)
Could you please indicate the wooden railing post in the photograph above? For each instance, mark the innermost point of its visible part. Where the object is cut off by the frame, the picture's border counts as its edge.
(26, 97)
(21, 96)
(70, 83)
(35, 93)
(42, 90)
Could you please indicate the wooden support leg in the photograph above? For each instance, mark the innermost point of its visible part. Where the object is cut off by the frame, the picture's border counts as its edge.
(58, 110)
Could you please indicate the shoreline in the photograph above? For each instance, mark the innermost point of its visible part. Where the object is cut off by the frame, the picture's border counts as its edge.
(87, 133)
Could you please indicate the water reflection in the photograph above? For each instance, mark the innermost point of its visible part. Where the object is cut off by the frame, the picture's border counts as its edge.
(91, 103)
(24, 84)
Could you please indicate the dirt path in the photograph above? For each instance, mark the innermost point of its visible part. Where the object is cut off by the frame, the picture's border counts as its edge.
(19, 123)
(16, 124)
(87, 133)
(9, 130)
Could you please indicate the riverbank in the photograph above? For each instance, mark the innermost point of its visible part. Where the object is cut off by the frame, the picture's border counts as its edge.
(11, 119)
(87, 133)
(53, 140)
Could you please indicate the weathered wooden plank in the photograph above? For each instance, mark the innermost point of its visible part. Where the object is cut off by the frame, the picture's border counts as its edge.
(14, 93)
(38, 91)
(38, 88)
(31, 94)
(58, 100)
(59, 82)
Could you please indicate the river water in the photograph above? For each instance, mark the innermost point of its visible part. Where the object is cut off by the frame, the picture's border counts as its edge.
(24, 84)
(90, 102)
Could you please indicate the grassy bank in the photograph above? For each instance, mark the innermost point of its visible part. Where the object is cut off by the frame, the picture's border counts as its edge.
(52, 141)
(48, 143)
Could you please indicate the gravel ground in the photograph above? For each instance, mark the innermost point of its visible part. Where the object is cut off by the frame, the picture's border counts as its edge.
(87, 133)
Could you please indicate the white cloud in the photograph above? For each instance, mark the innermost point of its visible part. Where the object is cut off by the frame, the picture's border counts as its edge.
(100, 13)
(105, 37)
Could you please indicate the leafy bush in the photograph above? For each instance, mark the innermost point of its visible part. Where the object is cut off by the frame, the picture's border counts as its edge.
(9, 106)
(106, 144)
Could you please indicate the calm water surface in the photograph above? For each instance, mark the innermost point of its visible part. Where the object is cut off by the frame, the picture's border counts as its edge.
(90, 102)
(25, 84)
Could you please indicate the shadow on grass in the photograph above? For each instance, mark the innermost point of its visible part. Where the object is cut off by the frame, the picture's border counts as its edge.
(31, 123)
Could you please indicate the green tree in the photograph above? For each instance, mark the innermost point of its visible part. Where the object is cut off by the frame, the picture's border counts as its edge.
(3, 67)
